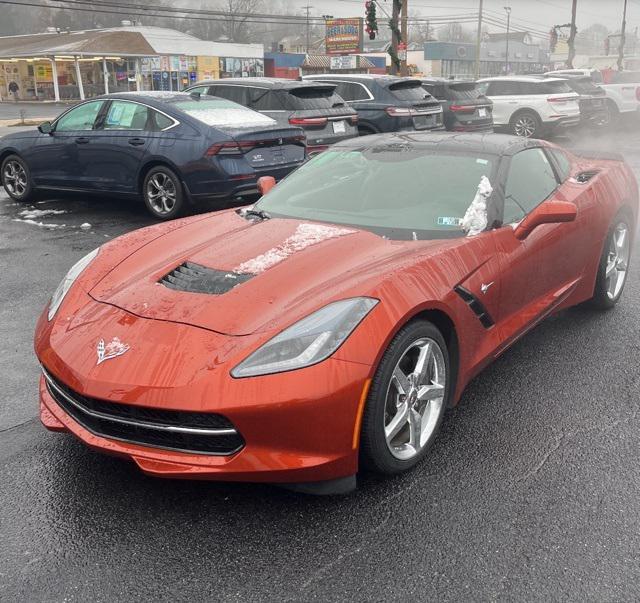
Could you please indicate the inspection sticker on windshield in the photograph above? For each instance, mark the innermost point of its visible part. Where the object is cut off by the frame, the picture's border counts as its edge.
(447, 221)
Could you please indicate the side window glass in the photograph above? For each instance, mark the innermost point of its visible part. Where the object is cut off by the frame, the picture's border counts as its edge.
(157, 121)
(237, 94)
(564, 164)
(531, 180)
(80, 118)
(262, 99)
(483, 87)
(199, 90)
(344, 90)
(123, 115)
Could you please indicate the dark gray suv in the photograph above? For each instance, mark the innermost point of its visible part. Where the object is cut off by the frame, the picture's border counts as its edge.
(386, 103)
(316, 108)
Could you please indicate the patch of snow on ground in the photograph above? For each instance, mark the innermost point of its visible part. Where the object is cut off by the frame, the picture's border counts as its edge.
(85, 226)
(39, 224)
(305, 236)
(30, 214)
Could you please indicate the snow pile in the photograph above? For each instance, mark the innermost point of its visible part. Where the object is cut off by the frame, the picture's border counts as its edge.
(40, 224)
(305, 236)
(475, 218)
(30, 214)
(85, 226)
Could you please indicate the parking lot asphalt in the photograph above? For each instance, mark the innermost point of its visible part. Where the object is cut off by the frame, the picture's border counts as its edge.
(531, 492)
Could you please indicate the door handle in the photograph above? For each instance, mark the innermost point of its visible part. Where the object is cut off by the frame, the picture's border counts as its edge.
(82, 140)
(136, 142)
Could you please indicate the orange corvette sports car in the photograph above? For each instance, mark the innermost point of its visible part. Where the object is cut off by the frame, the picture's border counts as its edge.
(328, 326)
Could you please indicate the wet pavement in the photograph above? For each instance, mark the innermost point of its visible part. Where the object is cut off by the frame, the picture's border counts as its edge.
(532, 491)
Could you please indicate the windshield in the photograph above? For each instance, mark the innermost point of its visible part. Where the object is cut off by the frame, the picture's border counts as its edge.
(396, 190)
(464, 91)
(220, 112)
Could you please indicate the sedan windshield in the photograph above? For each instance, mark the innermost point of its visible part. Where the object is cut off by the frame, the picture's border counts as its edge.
(397, 190)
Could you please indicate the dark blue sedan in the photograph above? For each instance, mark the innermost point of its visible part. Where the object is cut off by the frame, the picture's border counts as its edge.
(170, 148)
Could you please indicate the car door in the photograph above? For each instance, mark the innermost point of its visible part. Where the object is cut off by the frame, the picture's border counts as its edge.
(506, 97)
(119, 145)
(62, 158)
(541, 270)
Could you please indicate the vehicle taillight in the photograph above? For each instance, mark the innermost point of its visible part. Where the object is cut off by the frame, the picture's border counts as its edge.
(237, 148)
(462, 108)
(399, 111)
(561, 99)
(308, 121)
(354, 120)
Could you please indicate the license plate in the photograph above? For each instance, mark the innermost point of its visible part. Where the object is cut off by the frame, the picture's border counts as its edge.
(424, 121)
(339, 127)
(482, 112)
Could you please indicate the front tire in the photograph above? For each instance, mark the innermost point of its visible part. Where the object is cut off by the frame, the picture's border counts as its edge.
(16, 179)
(407, 400)
(525, 124)
(614, 264)
(162, 193)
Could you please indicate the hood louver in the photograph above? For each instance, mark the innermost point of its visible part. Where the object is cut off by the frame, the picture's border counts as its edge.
(194, 278)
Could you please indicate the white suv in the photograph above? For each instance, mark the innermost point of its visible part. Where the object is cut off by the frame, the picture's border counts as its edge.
(530, 106)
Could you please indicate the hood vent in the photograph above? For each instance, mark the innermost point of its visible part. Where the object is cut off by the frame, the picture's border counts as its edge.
(585, 176)
(200, 279)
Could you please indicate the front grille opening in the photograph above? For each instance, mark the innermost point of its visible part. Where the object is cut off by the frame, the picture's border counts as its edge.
(195, 278)
(585, 176)
(184, 431)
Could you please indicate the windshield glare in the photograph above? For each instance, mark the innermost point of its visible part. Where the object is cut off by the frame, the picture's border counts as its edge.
(398, 190)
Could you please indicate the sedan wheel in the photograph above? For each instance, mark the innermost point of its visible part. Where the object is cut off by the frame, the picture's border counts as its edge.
(163, 193)
(16, 179)
(614, 265)
(617, 261)
(525, 125)
(414, 398)
(406, 403)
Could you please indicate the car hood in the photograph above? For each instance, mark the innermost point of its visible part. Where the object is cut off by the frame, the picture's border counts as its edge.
(236, 277)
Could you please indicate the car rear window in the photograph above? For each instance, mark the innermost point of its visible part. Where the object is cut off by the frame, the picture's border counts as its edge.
(311, 98)
(409, 91)
(463, 91)
(553, 87)
(219, 112)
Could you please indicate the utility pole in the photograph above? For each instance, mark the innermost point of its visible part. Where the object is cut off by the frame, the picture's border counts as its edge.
(572, 36)
(395, 37)
(404, 35)
(308, 8)
(622, 38)
(477, 67)
(506, 58)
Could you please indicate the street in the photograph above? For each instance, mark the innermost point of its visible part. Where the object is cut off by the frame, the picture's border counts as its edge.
(531, 491)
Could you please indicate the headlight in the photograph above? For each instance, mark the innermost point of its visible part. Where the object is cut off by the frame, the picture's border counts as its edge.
(308, 341)
(68, 280)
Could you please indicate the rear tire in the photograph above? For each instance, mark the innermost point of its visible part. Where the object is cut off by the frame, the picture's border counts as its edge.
(525, 124)
(16, 179)
(614, 264)
(162, 193)
(407, 400)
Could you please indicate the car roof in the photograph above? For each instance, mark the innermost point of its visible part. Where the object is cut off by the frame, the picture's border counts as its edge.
(264, 82)
(516, 78)
(158, 96)
(444, 80)
(378, 77)
(471, 143)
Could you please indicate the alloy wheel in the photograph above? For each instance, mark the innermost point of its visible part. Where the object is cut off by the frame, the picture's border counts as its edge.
(617, 260)
(161, 192)
(524, 126)
(414, 398)
(15, 178)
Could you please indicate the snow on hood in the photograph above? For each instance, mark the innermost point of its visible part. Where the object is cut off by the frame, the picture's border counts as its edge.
(475, 218)
(304, 236)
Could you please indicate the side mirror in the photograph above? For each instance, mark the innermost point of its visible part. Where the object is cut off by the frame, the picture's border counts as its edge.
(265, 184)
(45, 127)
(548, 212)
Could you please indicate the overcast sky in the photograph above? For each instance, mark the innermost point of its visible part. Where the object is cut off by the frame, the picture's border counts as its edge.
(540, 14)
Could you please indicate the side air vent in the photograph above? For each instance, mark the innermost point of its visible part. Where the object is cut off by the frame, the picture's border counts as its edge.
(583, 177)
(200, 279)
(476, 306)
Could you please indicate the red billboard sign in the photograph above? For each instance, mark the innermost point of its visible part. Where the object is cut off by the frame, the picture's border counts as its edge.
(343, 36)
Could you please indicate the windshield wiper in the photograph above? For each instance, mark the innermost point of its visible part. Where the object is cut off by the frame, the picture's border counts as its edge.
(255, 213)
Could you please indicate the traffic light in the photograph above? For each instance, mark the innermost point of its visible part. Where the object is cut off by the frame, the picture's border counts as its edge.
(370, 19)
